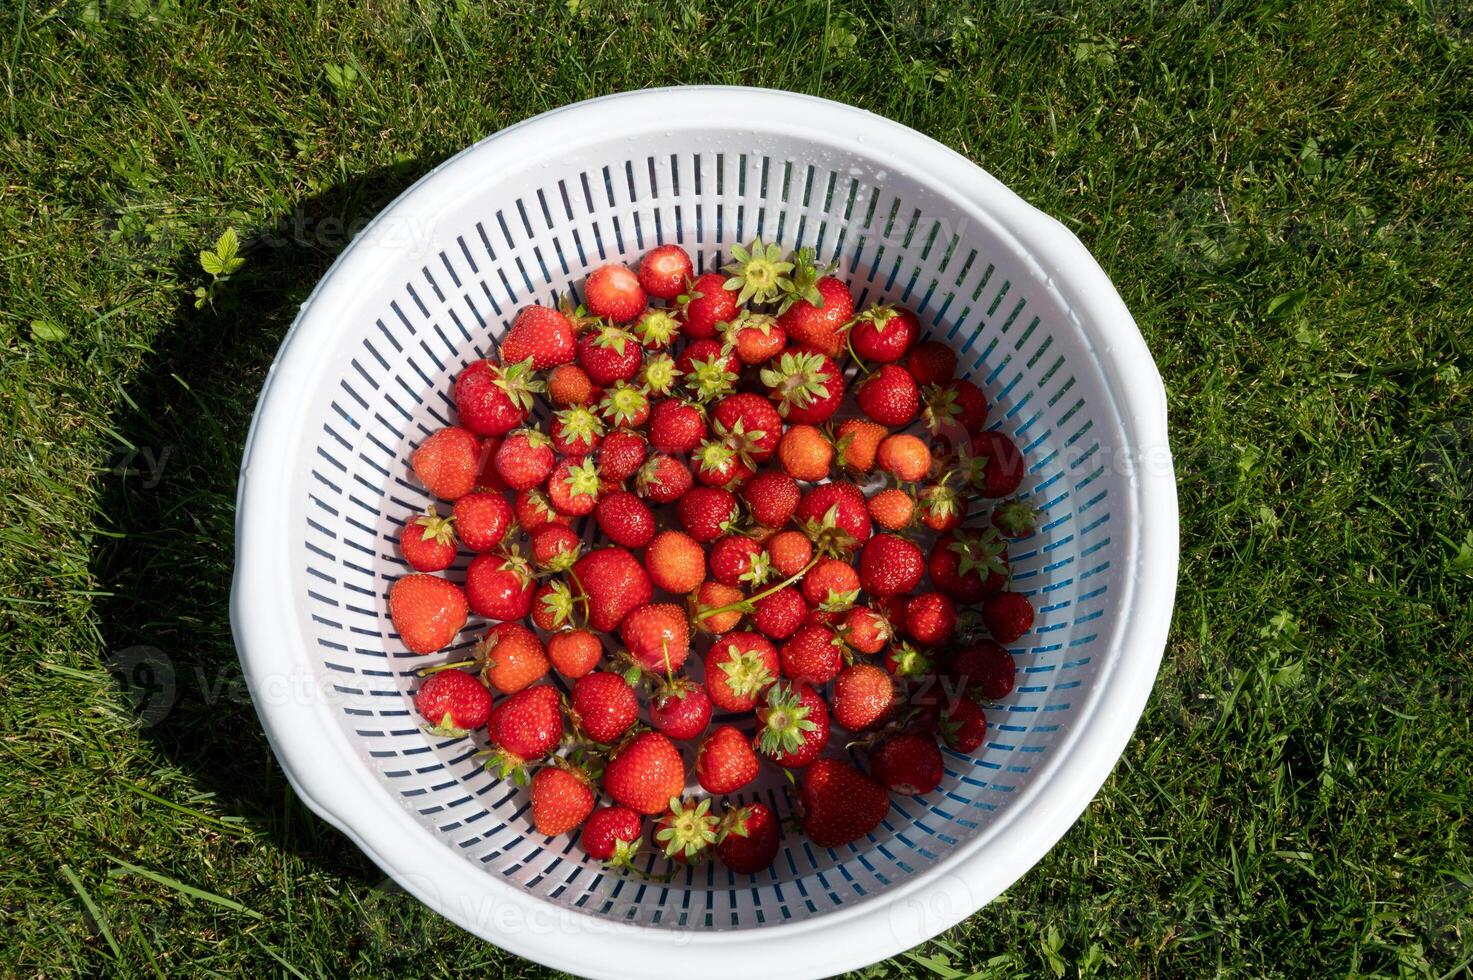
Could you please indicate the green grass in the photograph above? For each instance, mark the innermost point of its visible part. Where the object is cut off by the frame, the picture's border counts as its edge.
(1281, 192)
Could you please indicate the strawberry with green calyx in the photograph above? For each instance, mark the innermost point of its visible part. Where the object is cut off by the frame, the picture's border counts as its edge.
(532, 510)
(523, 728)
(687, 829)
(705, 304)
(748, 839)
(717, 464)
(625, 404)
(806, 385)
(994, 465)
(942, 507)
(659, 375)
(562, 797)
(680, 708)
(832, 585)
(758, 274)
(961, 725)
(740, 667)
(576, 431)
(577, 315)
(828, 534)
(883, 334)
(612, 834)
(969, 563)
(903, 659)
(705, 612)
(453, 703)
(573, 487)
(956, 404)
(609, 354)
(500, 585)
(553, 606)
(663, 479)
(816, 307)
(738, 560)
(491, 399)
(866, 630)
(792, 724)
(708, 374)
(555, 547)
(657, 328)
(749, 424)
(1013, 518)
(755, 337)
(539, 334)
(428, 541)
(524, 458)
(427, 611)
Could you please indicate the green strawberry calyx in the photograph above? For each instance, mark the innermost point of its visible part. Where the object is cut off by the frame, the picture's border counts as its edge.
(800, 379)
(758, 274)
(980, 552)
(785, 722)
(657, 327)
(688, 829)
(435, 528)
(520, 382)
(659, 374)
(747, 674)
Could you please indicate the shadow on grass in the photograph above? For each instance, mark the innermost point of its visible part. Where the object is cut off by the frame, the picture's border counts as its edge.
(169, 505)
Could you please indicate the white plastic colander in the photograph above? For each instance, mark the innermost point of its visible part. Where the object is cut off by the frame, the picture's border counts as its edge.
(364, 376)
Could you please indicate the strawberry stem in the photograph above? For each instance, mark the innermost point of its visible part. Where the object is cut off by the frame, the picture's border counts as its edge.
(745, 605)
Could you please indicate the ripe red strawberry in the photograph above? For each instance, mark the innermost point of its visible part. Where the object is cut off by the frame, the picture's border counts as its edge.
(707, 303)
(664, 271)
(725, 761)
(756, 337)
(772, 498)
(614, 292)
(806, 385)
(792, 724)
(603, 706)
(995, 468)
(1014, 519)
(482, 519)
(713, 596)
(717, 464)
(818, 321)
(676, 426)
(780, 613)
(625, 404)
(687, 830)
(427, 611)
(609, 354)
(511, 657)
(908, 764)
(832, 585)
(890, 565)
(840, 804)
(680, 708)
(849, 526)
(986, 670)
(930, 618)
(931, 362)
(904, 456)
(646, 774)
(447, 462)
(955, 407)
(612, 834)
(866, 630)
(967, 564)
(525, 458)
(748, 839)
(499, 586)
(613, 582)
(574, 652)
(906, 660)
(453, 703)
(561, 799)
(813, 654)
(540, 334)
(740, 561)
(739, 668)
(706, 513)
(663, 479)
(486, 476)
(533, 510)
(576, 431)
(573, 487)
(963, 726)
(568, 385)
(676, 562)
(890, 397)
(555, 547)
(942, 508)
(523, 728)
(708, 370)
(858, 444)
(625, 519)
(552, 605)
(621, 454)
(1007, 615)
(805, 453)
(492, 399)
(749, 424)
(864, 697)
(657, 636)
(884, 334)
(428, 541)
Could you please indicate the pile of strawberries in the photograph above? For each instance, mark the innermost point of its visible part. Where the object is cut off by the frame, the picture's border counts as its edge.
(760, 556)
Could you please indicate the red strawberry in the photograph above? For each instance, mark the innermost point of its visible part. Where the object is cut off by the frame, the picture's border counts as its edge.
(955, 407)
(1014, 519)
(486, 476)
(995, 468)
(717, 608)
(756, 337)
(568, 385)
(555, 547)
(864, 697)
(663, 479)
(676, 563)
(646, 774)
(511, 657)
(428, 541)
(749, 424)
(814, 654)
(573, 487)
(525, 458)
(614, 292)
(625, 519)
(985, 669)
(890, 397)
(708, 370)
(523, 728)
(561, 799)
(707, 303)
(499, 586)
(657, 329)
(717, 464)
(657, 636)
(931, 363)
(725, 761)
(792, 724)
(427, 611)
(805, 384)
(840, 804)
(789, 551)
(447, 462)
(706, 513)
(664, 271)
(930, 618)
(964, 726)
(552, 605)
(612, 835)
(453, 702)
(540, 334)
(621, 454)
(687, 830)
(604, 706)
(748, 839)
(738, 560)
(908, 764)
(613, 582)
(533, 510)
(574, 652)
(884, 334)
(779, 614)
(967, 564)
(772, 497)
(833, 585)
(866, 630)
(1007, 615)
(482, 519)
(609, 354)
(739, 668)
(492, 399)
(676, 426)
(680, 709)
(625, 404)
(576, 431)
(817, 319)
(849, 525)
(942, 508)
